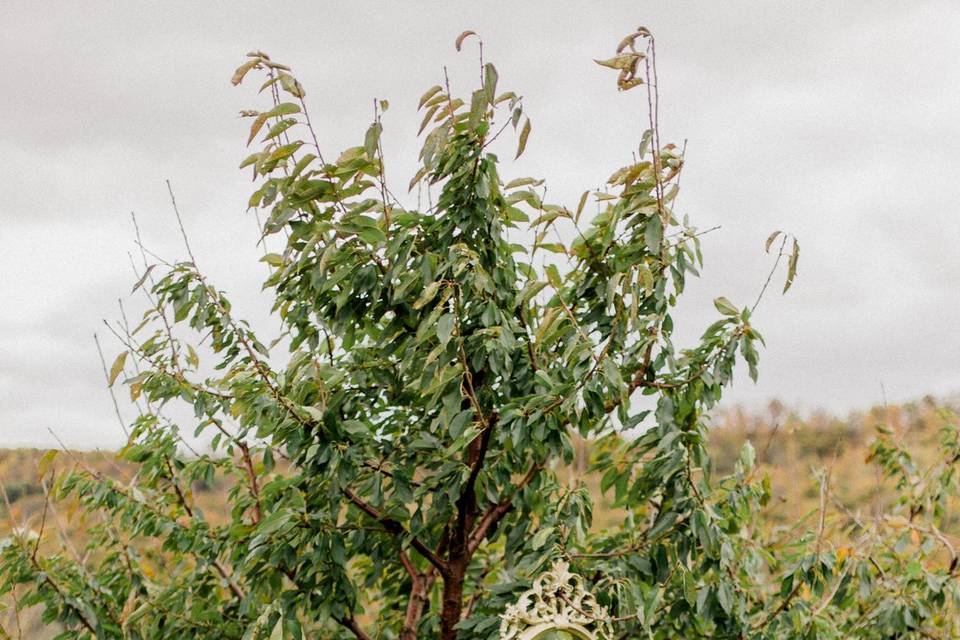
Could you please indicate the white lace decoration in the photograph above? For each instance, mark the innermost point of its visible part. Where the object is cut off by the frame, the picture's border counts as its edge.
(557, 601)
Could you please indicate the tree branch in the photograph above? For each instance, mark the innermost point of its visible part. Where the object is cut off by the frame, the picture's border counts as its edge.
(467, 504)
(352, 625)
(395, 528)
(496, 512)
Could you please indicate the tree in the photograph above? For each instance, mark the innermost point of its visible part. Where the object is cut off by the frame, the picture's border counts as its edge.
(396, 476)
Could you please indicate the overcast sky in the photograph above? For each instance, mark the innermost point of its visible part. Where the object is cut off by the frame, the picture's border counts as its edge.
(835, 121)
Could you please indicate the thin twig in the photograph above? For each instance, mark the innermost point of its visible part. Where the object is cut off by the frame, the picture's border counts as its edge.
(113, 396)
(766, 284)
(183, 232)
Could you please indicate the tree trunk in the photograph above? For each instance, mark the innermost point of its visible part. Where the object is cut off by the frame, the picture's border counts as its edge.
(452, 601)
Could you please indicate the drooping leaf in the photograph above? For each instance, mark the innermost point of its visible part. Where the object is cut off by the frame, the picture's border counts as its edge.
(372, 139)
(291, 85)
(242, 71)
(46, 460)
(770, 240)
(117, 367)
(581, 205)
(490, 77)
(143, 278)
(524, 134)
(792, 265)
(623, 61)
(429, 93)
(463, 36)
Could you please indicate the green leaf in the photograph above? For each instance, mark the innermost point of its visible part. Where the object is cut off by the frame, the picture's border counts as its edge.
(725, 307)
(192, 359)
(283, 109)
(372, 140)
(792, 265)
(524, 134)
(278, 129)
(372, 235)
(522, 182)
(490, 77)
(653, 234)
(429, 293)
(432, 91)
(581, 205)
(612, 286)
(645, 277)
(612, 373)
(284, 151)
(356, 428)
(645, 143)
(273, 259)
(417, 178)
(291, 85)
(531, 289)
(478, 107)
(445, 327)
(541, 537)
(426, 118)
(623, 61)
(117, 368)
(46, 460)
(553, 247)
(748, 456)
(314, 413)
(251, 159)
(459, 422)
(725, 596)
(553, 275)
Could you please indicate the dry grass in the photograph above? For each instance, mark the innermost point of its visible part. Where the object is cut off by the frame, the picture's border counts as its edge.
(790, 449)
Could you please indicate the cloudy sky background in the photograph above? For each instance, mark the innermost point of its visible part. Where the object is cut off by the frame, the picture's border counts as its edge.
(837, 123)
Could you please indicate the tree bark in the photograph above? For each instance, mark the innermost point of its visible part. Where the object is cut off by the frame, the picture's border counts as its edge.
(452, 600)
(419, 596)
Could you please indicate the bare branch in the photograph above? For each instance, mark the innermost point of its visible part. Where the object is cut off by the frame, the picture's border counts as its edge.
(113, 396)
